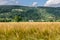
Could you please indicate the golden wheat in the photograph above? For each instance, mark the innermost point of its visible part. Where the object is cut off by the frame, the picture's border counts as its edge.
(30, 31)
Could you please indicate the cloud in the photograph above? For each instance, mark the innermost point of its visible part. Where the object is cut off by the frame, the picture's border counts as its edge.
(9, 2)
(3, 2)
(34, 3)
(52, 3)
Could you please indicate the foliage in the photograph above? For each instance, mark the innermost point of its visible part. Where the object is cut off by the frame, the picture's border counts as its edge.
(45, 14)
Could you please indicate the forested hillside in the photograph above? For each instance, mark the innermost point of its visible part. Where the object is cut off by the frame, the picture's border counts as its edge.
(15, 13)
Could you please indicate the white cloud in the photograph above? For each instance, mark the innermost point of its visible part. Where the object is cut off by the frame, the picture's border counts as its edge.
(3, 2)
(12, 0)
(8, 2)
(17, 2)
(52, 3)
(34, 4)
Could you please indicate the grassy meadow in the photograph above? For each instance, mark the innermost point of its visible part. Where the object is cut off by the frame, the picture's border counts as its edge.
(30, 31)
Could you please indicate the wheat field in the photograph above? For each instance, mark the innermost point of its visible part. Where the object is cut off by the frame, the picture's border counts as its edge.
(30, 31)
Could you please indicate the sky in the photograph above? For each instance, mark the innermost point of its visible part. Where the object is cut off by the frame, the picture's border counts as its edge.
(48, 3)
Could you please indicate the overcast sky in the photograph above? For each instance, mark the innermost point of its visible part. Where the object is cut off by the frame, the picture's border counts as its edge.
(49, 3)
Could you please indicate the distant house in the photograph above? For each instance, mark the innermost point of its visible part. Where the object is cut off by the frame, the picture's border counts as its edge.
(31, 20)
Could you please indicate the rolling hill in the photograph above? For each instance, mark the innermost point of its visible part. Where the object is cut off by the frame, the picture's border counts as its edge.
(16, 13)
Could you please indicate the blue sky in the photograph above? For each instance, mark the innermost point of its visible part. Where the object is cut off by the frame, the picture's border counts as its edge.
(49, 3)
(30, 2)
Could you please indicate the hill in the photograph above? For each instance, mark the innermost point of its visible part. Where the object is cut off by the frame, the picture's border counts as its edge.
(16, 13)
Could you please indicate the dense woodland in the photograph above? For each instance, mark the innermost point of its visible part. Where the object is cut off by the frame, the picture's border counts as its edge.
(15, 13)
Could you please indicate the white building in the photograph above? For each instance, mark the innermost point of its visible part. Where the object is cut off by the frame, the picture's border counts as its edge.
(31, 20)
